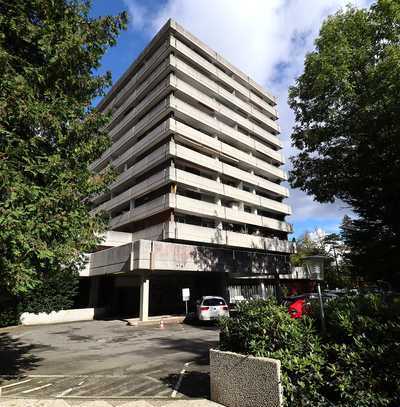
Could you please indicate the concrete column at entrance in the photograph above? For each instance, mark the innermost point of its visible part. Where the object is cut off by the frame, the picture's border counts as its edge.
(144, 299)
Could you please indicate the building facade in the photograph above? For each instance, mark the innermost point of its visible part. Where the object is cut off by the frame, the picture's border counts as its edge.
(198, 200)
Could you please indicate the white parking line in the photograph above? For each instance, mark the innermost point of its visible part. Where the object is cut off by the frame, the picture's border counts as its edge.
(178, 384)
(14, 384)
(65, 392)
(36, 388)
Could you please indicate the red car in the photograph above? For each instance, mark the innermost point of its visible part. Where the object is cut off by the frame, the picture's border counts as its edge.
(296, 308)
(300, 305)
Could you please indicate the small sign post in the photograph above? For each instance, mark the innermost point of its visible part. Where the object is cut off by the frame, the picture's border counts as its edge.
(186, 297)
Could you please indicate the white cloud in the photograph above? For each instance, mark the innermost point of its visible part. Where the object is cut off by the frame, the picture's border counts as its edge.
(267, 39)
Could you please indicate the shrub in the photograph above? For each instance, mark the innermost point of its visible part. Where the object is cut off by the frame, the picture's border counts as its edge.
(8, 314)
(262, 328)
(363, 351)
(55, 291)
(357, 363)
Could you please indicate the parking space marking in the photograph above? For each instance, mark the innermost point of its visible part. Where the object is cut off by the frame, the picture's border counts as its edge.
(36, 388)
(65, 392)
(179, 382)
(14, 384)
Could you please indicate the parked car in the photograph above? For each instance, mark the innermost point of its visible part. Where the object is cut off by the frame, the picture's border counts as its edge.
(299, 305)
(210, 308)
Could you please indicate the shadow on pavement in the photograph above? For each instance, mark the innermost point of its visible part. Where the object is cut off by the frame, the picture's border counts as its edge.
(15, 356)
(199, 348)
(194, 383)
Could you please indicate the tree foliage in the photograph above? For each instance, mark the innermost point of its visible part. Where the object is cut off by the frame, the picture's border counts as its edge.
(347, 128)
(49, 134)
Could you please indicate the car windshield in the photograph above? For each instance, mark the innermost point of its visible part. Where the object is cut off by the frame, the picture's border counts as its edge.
(213, 302)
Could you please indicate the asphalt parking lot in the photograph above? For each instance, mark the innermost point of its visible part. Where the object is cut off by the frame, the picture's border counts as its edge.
(106, 359)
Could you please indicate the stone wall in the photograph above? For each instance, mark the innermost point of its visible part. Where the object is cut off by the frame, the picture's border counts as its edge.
(56, 317)
(244, 381)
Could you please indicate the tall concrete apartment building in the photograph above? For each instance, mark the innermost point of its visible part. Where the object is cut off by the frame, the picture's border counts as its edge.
(198, 201)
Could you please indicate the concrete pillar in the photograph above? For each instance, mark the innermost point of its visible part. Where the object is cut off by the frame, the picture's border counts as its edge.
(263, 290)
(131, 204)
(144, 298)
(218, 201)
(254, 211)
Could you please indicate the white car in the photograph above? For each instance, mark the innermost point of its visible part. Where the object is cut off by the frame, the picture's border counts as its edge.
(210, 308)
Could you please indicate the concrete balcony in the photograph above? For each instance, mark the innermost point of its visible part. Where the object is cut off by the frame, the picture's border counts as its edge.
(217, 74)
(152, 99)
(214, 236)
(196, 78)
(182, 178)
(222, 61)
(147, 67)
(150, 184)
(207, 185)
(192, 115)
(140, 91)
(222, 168)
(221, 146)
(221, 111)
(155, 115)
(150, 208)
(196, 207)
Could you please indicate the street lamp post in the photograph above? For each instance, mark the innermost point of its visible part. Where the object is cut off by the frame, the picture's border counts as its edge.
(314, 266)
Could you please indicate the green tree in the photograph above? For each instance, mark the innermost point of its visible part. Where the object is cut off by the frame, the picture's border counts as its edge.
(305, 246)
(347, 128)
(49, 133)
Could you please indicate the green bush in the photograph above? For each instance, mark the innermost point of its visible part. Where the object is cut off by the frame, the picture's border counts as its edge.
(263, 328)
(363, 351)
(356, 363)
(8, 314)
(55, 291)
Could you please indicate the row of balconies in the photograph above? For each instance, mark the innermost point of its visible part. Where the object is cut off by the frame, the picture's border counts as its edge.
(172, 149)
(195, 182)
(218, 74)
(213, 236)
(133, 127)
(220, 110)
(172, 83)
(243, 144)
(147, 68)
(191, 74)
(214, 89)
(183, 204)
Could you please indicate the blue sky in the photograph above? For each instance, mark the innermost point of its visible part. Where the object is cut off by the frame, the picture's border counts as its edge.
(267, 39)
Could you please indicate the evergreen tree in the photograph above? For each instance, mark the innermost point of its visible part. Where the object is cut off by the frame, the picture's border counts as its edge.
(49, 134)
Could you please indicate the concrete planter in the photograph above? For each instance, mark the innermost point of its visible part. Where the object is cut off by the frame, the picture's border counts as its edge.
(56, 317)
(244, 381)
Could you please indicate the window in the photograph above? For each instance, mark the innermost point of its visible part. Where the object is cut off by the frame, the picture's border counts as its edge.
(213, 302)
